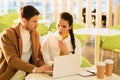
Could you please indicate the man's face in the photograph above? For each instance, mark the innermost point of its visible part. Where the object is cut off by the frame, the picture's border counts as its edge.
(32, 23)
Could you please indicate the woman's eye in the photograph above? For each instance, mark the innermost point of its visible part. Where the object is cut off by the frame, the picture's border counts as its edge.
(58, 25)
(64, 26)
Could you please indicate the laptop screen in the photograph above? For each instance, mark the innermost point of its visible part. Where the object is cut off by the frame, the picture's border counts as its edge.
(66, 65)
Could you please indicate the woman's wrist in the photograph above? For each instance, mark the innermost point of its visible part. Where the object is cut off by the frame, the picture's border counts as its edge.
(67, 52)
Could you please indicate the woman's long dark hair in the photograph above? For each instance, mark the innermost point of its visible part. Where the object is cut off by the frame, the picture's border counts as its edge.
(68, 17)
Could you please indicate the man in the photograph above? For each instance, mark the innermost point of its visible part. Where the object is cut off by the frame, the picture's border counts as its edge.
(20, 47)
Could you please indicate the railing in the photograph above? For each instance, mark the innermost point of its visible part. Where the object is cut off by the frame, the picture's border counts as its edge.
(89, 3)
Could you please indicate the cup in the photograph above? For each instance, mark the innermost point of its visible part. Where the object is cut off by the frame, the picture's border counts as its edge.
(100, 70)
(109, 67)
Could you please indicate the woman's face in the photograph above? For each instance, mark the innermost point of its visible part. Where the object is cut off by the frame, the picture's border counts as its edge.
(62, 26)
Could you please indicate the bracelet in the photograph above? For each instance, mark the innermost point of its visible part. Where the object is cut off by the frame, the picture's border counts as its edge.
(34, 70)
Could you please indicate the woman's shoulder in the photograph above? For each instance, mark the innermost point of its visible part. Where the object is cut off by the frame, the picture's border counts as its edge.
(77, 40)
(48, 36)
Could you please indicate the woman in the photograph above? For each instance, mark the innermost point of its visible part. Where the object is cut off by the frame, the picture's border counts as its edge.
(63, 41)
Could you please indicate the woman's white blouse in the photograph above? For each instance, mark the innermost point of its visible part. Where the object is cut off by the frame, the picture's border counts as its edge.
(50, 47)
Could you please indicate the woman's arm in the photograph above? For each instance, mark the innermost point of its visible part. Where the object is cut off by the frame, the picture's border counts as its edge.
(45, 51)
(78, 49)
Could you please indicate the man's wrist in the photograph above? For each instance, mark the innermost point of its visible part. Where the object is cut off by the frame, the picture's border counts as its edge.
(34, 70)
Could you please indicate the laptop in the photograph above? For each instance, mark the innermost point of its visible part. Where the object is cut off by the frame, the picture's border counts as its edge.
(66, 65)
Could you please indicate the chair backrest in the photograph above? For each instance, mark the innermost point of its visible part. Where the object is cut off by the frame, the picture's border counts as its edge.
(8, 18)
(85, 63)
(52, 27)
(81, 38)
(111, 42)
(3, 26)
(112, 27)
(77, 26)
(42, 29)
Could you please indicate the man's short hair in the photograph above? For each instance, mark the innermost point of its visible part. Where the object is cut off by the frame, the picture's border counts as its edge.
(28, 11)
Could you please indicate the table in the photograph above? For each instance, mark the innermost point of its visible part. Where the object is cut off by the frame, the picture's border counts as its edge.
(35, 76)
(97, 32)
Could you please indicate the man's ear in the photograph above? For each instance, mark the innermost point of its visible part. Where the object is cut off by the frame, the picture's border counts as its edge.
(24, 20)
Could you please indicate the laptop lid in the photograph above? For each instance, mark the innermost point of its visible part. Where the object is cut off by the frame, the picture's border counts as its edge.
(66, 65)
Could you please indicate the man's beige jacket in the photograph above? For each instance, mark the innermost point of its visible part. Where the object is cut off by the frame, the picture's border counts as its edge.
(11, 51)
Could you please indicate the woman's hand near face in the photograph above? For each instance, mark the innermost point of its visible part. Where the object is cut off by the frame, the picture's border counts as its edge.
(44, 68)
(63, 47)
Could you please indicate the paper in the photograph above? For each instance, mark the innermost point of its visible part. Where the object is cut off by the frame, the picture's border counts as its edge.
(91, 69)
(85, 73)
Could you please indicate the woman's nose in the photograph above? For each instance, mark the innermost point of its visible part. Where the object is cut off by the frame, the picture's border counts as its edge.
(60, 28)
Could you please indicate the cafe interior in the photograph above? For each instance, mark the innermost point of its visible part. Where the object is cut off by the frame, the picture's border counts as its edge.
(96, 25)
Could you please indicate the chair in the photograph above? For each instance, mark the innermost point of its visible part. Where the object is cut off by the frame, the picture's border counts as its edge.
(3, 26)
(112, 43)
(42, 29)
(52, 27)
(8, 18)
(113, 27)
(85, 63)
(82, 37)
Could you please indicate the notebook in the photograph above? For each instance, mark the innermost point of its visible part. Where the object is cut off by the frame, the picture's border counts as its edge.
(66, 65)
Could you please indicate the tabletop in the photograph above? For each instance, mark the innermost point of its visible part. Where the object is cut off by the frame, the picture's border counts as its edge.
(97, 31)
(35, 76)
